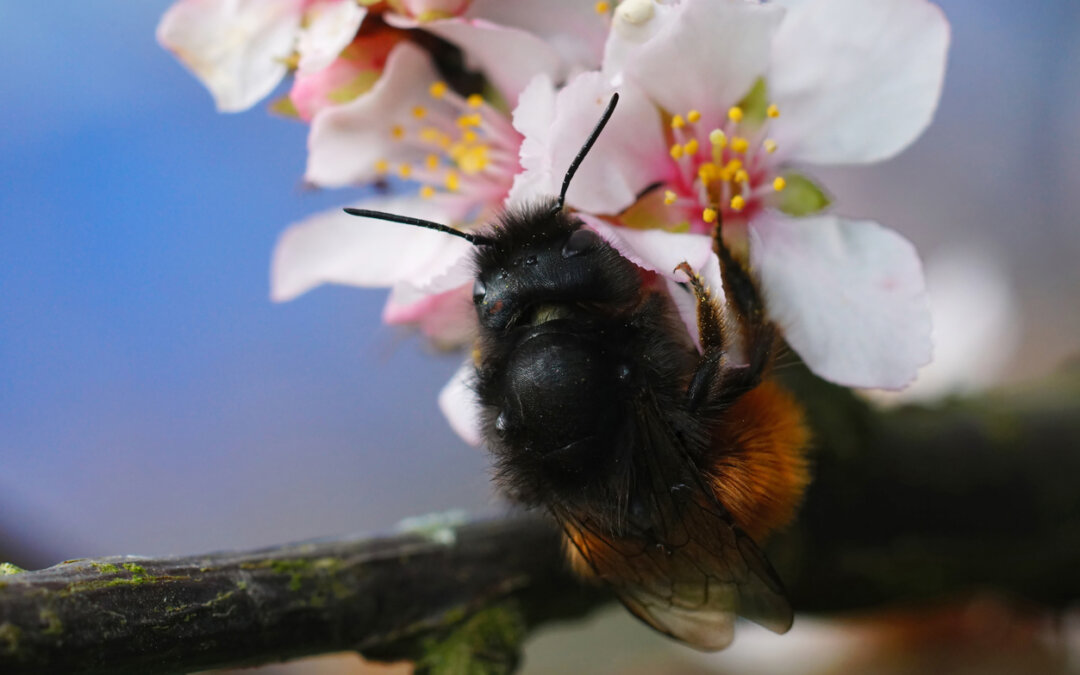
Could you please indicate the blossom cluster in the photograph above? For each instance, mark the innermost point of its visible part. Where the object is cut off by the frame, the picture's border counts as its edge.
(724, 107)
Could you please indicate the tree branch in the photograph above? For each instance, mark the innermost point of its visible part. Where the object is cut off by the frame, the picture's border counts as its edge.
(907, 505)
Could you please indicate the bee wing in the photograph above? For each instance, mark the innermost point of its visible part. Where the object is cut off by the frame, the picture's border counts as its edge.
(689, 573)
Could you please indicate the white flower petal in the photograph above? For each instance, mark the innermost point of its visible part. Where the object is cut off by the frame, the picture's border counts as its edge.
(635, 22)
(331, 27)
(572, 27)
(976, 331)
(706, 57)
(661, 251)
(630, 154)
(509, 57)
(458, 403)
(346, 141)
(448, 318)
(237, 49)
(848, 294)
(334, 247)
(856, 81)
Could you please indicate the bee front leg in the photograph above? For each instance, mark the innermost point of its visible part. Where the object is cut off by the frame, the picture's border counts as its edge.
(758, 333)
(716, 383)
(710, 316)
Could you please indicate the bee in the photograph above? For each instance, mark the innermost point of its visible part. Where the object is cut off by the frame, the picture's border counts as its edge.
(662, 464)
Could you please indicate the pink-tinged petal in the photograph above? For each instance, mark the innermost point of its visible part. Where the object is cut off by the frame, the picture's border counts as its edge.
(448, 318)
(629, 156)
(706, 57)
(237, 49)
(509, 57)
(573, 27)
(660, 251)
(347, 141)
(352, 74)
(458, 403)
(848, 294)
(856, 81)
(331, 26)
(334, 247)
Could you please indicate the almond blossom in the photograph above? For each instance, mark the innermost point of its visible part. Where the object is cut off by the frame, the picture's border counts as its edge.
(722, 100)
(460, 152)
(242, 49)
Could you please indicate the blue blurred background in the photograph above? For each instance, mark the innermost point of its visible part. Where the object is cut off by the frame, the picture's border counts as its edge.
(153, 400)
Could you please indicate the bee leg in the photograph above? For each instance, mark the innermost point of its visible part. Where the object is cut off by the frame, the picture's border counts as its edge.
(758, 333)
(710, 316)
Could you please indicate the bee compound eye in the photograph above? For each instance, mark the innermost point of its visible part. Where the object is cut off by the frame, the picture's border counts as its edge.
(581, 241)
(479, 290)
(502, 423)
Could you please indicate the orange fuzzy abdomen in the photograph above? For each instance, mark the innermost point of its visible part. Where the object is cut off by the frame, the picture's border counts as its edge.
(759, 469)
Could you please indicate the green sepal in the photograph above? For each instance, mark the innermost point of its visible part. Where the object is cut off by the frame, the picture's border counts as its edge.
(755, 105)
(801, 196)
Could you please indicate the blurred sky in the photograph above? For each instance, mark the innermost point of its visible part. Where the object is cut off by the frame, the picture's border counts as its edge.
(153, 400)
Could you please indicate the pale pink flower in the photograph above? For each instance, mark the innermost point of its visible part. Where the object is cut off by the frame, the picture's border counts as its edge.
(462, 153)
(838, 81)
(354, 72)
(511, 42)
(241, 49)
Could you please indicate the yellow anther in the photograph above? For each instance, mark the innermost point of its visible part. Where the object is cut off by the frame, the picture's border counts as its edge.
(735, 114)
(678, 122)
(670, 197)
(741, 176)
(427, 192)
(718, 138)
(453, 181)
(693, 115)
(469, 136)
(708, 172)
(734, 165)
(397, 132)
(740, 144)
(431, 161)
(770, 145)
(709, 215)
(738, 203)
(473, 120)
(691, 147)
(404, 170)
(779, 183)
(772, 111)
(419, 111)
(475, 100)
(429, 134)
(602, 7)
(473, 159)
(382, 166)
(676, 151)
(438, 89)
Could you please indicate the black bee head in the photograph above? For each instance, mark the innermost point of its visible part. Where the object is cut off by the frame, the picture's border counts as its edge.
(541, 264)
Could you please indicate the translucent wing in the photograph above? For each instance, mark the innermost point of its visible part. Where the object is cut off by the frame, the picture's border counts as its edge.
(679, 563)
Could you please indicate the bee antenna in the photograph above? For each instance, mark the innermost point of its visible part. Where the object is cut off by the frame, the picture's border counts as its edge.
(474, 239)
(585, 149)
